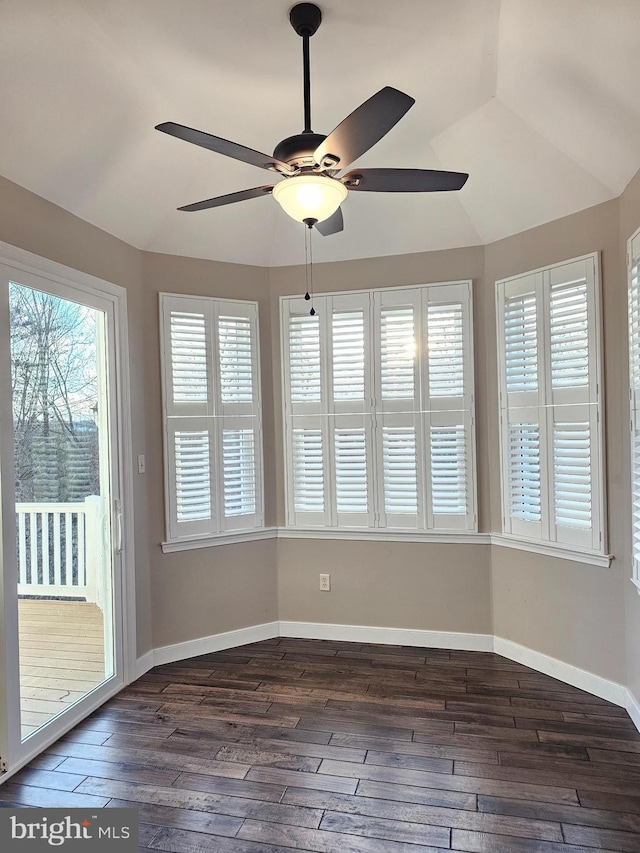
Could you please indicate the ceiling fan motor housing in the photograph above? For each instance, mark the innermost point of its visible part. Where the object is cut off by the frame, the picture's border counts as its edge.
(298, 150)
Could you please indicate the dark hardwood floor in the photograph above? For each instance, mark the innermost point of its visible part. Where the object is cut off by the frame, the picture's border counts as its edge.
(325, 746)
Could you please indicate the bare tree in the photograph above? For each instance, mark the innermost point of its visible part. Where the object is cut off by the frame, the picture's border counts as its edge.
(54, 383)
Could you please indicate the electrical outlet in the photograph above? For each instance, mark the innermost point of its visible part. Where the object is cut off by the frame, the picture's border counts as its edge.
(141, 464)
(325, 583)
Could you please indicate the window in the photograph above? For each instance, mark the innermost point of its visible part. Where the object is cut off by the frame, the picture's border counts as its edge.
(211, 394)
(633, 263)
(551, 430)
(378, 398)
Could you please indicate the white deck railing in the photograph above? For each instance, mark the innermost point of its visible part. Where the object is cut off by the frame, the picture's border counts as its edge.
(59, 547)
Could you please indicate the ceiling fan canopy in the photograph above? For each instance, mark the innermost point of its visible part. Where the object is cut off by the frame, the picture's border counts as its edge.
(311, 164)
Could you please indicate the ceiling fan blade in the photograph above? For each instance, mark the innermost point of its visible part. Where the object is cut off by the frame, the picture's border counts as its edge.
(223, 146)
(332, 225)
(403, 180)
(220, 200)
(364, 127)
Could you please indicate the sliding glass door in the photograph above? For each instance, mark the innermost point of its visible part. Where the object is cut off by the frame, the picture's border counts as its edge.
(62, 524)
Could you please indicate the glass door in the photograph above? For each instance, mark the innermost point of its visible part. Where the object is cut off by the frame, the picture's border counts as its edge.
(66, 603)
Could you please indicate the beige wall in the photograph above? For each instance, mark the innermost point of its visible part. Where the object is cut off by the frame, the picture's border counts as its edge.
(423, 586)
(570, 611)
(212, 590)
(629, 223)
(209, 590)
(386, 584)
(36, 225)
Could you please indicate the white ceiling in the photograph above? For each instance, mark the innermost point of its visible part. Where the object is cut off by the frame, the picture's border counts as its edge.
(539, 100)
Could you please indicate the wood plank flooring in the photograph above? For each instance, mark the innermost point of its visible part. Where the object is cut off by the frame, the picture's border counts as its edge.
(335, 747)
(61, 657)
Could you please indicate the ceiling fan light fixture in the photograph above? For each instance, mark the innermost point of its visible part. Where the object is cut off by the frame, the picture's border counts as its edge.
(310, 196)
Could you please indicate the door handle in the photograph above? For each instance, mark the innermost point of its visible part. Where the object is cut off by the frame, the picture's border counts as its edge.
(117, 507)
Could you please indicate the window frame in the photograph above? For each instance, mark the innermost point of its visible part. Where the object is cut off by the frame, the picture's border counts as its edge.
(329, 523)
(215, 417)
(633, 262)
(543, 405)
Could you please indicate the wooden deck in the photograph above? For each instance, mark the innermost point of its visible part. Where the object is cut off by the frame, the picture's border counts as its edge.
(61, 657)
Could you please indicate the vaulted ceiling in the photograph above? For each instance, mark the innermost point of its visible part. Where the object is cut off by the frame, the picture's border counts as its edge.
(539, 100)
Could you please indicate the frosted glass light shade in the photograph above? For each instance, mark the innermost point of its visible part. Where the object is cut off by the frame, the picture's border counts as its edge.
(306, 196)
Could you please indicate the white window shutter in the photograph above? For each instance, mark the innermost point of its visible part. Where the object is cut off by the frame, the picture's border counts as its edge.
(448, 401)
(397, 352)
(569, 334)
(450, 465)
(303, 361)
(552, 456)
(448, 469)
(572, 473)
(521, 342)
(396, 335)
(211, 392)
(348, 355)
(399, 434)
(575, 441)
(357, 432)
(191, 492)
(350, 415)
(308, 473)
(401, 502)
(241, 466)
(236, 358)
(524, 474)
(238, 414)
(238, 459)
(523, 419)
(635, 498)
(352, 464)
(305, 403)
(446, 349)
(633, 270)
(187, 356)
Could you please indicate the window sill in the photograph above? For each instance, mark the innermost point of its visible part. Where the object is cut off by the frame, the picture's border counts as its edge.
(636, 583)
(459, 537)
(233, 538)
(548, 549)
(385, 535)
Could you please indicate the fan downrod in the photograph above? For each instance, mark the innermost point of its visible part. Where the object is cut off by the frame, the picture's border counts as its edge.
(305, 19)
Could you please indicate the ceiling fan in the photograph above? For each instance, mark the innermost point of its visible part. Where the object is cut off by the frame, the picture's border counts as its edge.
(313, 190)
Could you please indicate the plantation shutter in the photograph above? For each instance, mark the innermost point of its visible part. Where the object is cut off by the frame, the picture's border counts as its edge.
(399, 429)
(238, 420)
(212, 416)
(448, 401)
(350, 420)
(306, 424)
(572, 394)
(549, 399)
(188, 402)
(191, 489)
(633, 259)
(377, 433)
(523, 419)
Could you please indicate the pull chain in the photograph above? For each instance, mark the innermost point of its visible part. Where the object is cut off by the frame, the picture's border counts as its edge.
(308, 262)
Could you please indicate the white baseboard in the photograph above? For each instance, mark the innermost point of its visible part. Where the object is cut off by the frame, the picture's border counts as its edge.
(633, 708)
(214, 643)
(573, 675)
(144, 664)
(388, 636)
(569, 674)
